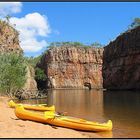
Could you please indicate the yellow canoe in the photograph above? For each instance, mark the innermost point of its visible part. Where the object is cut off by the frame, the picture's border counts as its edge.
(63, 121)
(39, 107)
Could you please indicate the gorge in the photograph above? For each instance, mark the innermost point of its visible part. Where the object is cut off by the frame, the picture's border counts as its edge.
(114, 67)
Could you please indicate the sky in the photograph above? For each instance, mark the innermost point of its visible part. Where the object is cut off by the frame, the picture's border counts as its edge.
(40, 23)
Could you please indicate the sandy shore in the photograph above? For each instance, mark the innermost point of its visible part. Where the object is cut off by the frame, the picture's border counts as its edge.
(12, 127)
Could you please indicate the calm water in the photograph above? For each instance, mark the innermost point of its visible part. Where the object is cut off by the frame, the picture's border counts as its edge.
(123, 108)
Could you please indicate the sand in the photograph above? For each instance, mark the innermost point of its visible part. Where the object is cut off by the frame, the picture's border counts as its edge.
(12, 127)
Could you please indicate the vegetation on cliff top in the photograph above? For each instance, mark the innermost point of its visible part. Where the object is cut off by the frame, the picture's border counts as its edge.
(74, 44)
(135, 23)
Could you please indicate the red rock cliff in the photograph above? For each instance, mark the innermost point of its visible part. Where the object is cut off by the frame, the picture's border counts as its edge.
(71, 67)
(9, 41)
(121, 62)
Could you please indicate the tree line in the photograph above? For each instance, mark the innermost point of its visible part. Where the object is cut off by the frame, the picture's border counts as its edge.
(73, 44)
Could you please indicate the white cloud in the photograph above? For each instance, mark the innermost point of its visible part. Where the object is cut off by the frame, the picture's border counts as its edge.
(32, 45)
(31, 27)
(8, 8)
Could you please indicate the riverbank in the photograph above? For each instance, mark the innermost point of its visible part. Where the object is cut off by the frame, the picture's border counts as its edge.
(12, 127)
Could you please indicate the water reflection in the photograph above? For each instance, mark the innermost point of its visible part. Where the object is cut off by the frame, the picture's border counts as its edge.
(86, 104)
(79, 103)
(95, 105)
(123, 107)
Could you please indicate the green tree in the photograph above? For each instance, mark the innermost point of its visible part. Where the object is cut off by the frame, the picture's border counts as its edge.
(12, 73)
(96, 44)
(77, 44)
(39, 74)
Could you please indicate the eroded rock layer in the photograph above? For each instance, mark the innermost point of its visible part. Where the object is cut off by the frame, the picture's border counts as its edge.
(121, 62)
(71, 67)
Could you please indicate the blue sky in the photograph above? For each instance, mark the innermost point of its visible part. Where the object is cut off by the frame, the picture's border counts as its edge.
(86, 22)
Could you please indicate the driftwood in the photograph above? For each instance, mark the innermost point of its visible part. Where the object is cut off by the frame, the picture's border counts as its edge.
(30, 94)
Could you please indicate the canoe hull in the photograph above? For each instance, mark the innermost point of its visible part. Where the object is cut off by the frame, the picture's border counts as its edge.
(63, 121)
(12, 104)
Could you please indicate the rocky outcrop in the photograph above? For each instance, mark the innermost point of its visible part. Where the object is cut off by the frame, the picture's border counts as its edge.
(9, 41)
(73, 67)
(30, 90)
(121, 62)
(30, 82)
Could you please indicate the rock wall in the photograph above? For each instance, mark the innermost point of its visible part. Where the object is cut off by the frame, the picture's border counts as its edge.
(71, 67)
(121, 62)
(9, 41)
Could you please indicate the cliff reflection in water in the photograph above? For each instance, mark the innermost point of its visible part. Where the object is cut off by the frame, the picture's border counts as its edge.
(79, 103)
(123, 107)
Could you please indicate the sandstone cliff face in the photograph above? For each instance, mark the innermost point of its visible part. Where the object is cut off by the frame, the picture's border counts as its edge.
(121, 62)
(9, 41)
(71, 67)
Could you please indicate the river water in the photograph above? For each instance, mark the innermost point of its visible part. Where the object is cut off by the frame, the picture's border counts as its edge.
(122, 107)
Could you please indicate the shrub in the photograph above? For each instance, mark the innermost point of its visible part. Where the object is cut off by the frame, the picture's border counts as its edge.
(12, 73)
(39, 74)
